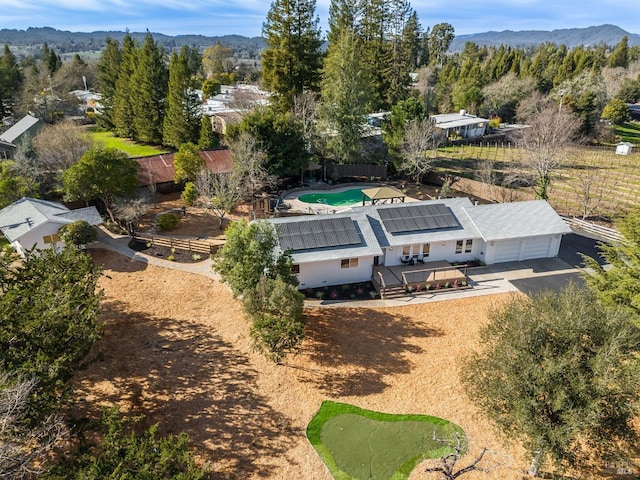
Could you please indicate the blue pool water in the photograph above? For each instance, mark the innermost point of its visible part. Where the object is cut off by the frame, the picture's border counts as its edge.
(337, 199)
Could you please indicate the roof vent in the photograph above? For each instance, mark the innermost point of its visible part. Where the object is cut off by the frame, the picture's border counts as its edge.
(463, 112)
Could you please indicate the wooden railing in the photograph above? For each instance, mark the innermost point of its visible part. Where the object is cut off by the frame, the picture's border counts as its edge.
(196, 246)
(608, 234)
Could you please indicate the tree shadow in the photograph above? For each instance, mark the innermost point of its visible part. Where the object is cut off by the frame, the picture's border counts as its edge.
(355, 350)
(110, 260)
(183, 376)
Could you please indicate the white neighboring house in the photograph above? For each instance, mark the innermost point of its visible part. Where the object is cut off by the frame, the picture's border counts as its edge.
(343, 248)
(30, 222)
(460, 124)
(624, 148)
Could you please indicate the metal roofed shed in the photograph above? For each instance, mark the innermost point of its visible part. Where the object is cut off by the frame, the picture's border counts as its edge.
(382, 193)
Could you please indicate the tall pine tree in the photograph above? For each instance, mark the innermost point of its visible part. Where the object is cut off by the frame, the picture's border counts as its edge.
(122, 114)
(291, 62)
(11, 77)
(182, 113)
(108, 69)
(149, 88)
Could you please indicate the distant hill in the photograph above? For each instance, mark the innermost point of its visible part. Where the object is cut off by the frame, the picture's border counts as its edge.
(32, 39)
(571, 37)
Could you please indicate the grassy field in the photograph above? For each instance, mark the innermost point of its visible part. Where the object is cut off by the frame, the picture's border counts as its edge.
(592, 182)
(629, 132)
(361, 444)
(131, 148)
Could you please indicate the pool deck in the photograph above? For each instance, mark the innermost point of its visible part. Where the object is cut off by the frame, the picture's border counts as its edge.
(293, 205)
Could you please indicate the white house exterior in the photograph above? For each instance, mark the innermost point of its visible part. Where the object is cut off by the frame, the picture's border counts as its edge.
(327, 252)
(624, 148)
(460, 124)
(32, 223)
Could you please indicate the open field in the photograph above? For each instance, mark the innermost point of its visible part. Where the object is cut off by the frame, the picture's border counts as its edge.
(177, 350)
(131, 148)
(612, 181)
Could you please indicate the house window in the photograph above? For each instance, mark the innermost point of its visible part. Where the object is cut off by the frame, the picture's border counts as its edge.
(426, 249)
(349, 263)
(53, 238)
(406, 250)
(295, 268)
(464, 245)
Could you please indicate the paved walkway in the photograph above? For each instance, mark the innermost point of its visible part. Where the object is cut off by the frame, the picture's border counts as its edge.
(529, 276)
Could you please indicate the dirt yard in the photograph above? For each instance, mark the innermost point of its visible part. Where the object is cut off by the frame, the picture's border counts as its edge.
(176, 349)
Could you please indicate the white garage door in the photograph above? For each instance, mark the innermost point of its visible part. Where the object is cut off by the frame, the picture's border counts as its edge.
(537, 247)
(507, 251)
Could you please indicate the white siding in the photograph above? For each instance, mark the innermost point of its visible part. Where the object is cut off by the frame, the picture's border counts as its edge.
(319, 274)
(505, 251)
(35, 237)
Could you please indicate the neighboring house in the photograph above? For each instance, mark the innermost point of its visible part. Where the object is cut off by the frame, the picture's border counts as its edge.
(624, 148)
(14, 136)
(460, 125)
(343, 248)
(30, 222)
(158, 170)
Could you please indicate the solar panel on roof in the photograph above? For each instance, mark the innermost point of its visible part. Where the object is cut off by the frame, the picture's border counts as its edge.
(320, 233)
(410, 218)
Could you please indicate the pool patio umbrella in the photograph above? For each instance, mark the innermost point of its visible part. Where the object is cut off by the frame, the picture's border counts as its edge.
(382, 193)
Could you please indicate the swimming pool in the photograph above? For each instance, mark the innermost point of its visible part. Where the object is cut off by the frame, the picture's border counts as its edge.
(336, 199)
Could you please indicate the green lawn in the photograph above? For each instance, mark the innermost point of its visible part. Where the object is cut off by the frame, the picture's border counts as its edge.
(131, 148)
(358, 444)
(629, 132)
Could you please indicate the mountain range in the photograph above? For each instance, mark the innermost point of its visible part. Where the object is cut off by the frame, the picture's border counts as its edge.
(32, 39)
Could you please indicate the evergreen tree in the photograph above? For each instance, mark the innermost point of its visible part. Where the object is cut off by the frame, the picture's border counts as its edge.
(291, 62)
(620, 55)
(342, 16)
(108, 69)
(11, 77)
(440, 39)
(148, 91)
(182, 113)
(122, 116)
(207, 138)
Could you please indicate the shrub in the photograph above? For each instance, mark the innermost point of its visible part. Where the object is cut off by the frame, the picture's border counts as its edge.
(78, 233)
(168, 222)
(190, 193)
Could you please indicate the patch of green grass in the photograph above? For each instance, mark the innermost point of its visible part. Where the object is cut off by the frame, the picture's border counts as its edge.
(131, 148)
(3, 242)
(360, 444)
(629, 132)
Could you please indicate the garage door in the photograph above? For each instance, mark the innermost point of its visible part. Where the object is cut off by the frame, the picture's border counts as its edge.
(536, 248)
(507, 251)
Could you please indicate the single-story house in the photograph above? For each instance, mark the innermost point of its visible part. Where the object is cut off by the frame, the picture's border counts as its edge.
(15, 135)
(158, 170)
(624, 148)
(462, 125)
(343, 248)
(30, 222)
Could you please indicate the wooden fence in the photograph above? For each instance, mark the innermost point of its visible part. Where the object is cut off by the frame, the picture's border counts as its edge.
(607, 234)
(196, 246)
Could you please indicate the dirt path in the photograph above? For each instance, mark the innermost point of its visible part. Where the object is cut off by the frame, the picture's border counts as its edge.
(176, 348)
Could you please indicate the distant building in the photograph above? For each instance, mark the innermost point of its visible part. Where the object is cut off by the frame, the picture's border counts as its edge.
(460, 125)
(11, 139)
(624, 148)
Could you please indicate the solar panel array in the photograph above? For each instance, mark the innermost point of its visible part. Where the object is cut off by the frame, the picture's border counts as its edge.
(327, 232)
(410, 218)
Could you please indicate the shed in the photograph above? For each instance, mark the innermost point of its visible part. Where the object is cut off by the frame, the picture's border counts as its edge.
(624, 148)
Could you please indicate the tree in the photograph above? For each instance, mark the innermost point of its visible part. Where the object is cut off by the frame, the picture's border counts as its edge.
(210, 88)
(148, 88)
(440, 39)
(122, 112)
(217, 59)
(291, 60)
(616, 111)
(23, 446)
(60, 146)
(276, 310)
(187, 162)
(629, 91)
(346, 93)
(402, 113)
(13, 185)
(620, 55)
(101, 174)
(129, 210)
(218, 192)
(108, 70)
(556, 371)
(248, 254)
(207, 138)
(48, 318)
(182, 107)
(78, 233)
(419, 148)
(446, 466)
(544, 143)
(249, 162)
(11, 77)
(123, 453)
(619, 284)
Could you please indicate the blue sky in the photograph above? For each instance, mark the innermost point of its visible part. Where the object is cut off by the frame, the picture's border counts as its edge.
(222, 17)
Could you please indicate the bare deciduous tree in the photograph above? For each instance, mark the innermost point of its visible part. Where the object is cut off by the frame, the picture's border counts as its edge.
(130, 210)
(249, 164)
(446, 466)
(23, 450)
(218, 193)
(419, 148)
(550, 131)
(487, 176)
(593, 188)
(305, 112)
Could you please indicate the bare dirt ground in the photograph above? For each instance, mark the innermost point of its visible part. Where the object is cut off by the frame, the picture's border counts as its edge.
(176, 349)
